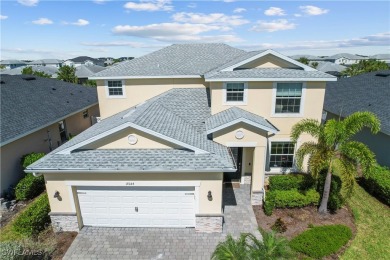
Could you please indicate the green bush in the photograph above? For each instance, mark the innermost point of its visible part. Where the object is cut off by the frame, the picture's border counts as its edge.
(289, 199)
(35, 218)
(29, 187)
(10, 250)
(321, 241)
(30, 158)
(335, 201)
(291, 181)
(378, 184)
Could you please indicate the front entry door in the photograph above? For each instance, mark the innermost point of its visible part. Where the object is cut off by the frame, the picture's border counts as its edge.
(235, 176)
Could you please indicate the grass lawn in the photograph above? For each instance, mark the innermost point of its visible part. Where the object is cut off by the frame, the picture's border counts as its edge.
(373, 228)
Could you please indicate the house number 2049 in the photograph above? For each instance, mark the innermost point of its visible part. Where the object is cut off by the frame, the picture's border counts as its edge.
(129, 183)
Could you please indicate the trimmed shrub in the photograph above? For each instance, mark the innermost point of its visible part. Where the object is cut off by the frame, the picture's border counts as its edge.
(321, 241)
(291, 181)
(289, 199)
(378, 184)
(29, 187)
(10, 250)
(335, 201)
(35, 218)
(30, 158)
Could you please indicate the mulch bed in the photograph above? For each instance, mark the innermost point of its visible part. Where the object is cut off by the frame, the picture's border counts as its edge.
(64, 240)
(298, 220)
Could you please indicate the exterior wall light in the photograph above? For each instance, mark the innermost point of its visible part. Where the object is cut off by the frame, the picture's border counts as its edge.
(57, 195)
(209, 196)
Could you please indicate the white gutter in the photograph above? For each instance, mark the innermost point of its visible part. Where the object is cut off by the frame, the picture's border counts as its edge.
(45, 125)
(149, 77)
(38, 172)
(267, 79)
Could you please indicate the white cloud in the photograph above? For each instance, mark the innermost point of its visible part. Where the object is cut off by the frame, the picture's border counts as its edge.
(175, 32)
(28, 2)
(192, 5)
(118, 44)
(380, 39)
(214, 18)
(150, 5)
(313, 10)
(100, 2)
(239, 10)
(81, 22)
(229, 1)
(297, 15)
(3, 17)
(274, 11)
(273, 26)
(42, 21)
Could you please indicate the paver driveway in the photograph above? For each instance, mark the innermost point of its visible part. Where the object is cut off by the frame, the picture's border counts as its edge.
(165, 243)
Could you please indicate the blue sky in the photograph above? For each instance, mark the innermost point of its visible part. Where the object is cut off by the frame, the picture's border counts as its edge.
(33, 29)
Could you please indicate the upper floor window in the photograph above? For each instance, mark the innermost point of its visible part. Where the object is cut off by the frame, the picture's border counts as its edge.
(288, 98)
(235, 92)
(115, 88)
(281, 154)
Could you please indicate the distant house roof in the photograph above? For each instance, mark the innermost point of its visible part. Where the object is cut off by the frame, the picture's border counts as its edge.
(385, 56)
(85, 71)
(326, 66)
(9, 62)
(168, 116)
(46, 69)
(345, 55)
(82, 59)
(309, 57)
(29, 103)
(45, 61)
(365, 92)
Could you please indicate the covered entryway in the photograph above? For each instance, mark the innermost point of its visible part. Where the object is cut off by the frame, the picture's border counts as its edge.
(137, 206)
(235, 176)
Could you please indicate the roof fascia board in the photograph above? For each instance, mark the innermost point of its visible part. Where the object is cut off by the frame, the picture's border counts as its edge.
(37, 171)
(241, 120)
(149, 77)
(277, 54)
(269, 79)
(45, 125)
(132, 125)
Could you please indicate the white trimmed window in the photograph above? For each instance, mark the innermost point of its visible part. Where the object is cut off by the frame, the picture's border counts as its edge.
(235, 92)
(288, 98)
(115, 88)
(281, 155)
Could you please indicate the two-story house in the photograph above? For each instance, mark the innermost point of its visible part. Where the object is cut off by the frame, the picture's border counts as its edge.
(177, 124)
(83, 60)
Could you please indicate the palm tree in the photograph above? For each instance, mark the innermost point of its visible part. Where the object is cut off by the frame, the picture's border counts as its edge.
(334, 151)
(365, 66)
(303, 60)
(269, 248)
(231, 249)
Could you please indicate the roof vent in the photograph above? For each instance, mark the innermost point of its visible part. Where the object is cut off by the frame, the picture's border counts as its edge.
(53, 88)
(383, 74)
(2, 82)
(29, 78)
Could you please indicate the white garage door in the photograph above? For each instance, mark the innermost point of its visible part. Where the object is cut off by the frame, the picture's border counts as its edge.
(137, 206)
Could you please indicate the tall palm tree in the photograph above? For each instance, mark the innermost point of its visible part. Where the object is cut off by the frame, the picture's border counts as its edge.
(334, 150)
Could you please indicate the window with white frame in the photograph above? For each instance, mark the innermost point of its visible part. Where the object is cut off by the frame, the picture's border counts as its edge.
(115, 88)
(235, 92)
(288, 98)
(281, 155)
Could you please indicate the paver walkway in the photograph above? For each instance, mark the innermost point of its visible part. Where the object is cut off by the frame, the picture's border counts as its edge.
(165, 243)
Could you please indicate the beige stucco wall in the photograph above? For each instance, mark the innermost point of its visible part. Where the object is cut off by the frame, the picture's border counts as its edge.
(120, 141)
(140, 90)
(208, 182)
(11, 153)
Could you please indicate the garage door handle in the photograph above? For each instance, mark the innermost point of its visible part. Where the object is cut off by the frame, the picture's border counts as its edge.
(136, 209)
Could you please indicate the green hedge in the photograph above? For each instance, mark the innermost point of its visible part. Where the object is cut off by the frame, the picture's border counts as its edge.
(30, 158)
(378, 184)
(321, 241)
(335, 199)
(29, 187)
(289, 199)
(291, 181)
(35, 218)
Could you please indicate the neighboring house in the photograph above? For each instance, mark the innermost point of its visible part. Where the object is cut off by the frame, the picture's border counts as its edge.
(330, 68)
(85, 71)
(46, 69)
(345, 58)
(83, 60)
(125, 58)
(178, 123)
(381, 57)
(46, 62)
(309, 57)
(11, 64)
(37, 115)
(365, 92)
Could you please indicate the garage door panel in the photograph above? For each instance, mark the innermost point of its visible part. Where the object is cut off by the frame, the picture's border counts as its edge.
(157, 206)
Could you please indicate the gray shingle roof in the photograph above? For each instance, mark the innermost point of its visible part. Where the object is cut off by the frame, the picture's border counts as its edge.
(365, 92)
(346, 55)
(46, 69)
(85, 71)
(269, 73)
(133, 160)
(177, 59)
(326, 66)
(84, 58)
(9, 62)
(384, 56)
(169, 114)
(235, 113)
(28, 105)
